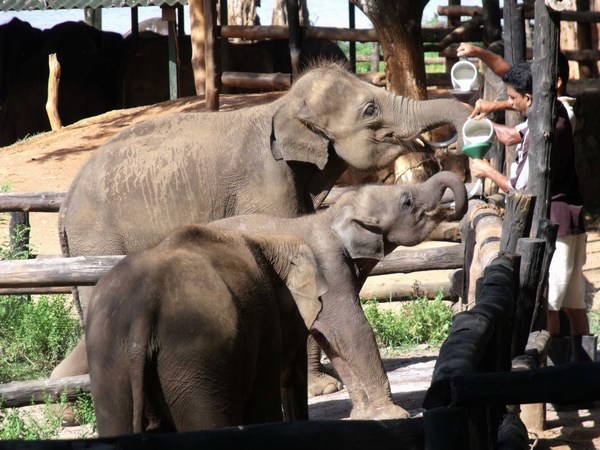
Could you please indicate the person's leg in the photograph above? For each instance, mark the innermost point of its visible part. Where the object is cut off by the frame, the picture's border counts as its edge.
(559, 274)
(574, 296)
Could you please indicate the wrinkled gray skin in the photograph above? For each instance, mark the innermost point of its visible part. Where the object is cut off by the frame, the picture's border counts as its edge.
(280, 158)
(348, 239)
(197, 332)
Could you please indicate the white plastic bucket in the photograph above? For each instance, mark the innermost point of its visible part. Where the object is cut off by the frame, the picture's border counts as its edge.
(477, 131)
(465, 76)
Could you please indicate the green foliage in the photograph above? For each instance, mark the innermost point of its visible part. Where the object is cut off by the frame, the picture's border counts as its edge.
(19, 424)
(417, 321)
(84, 409)
(594, 318)
(35, 335)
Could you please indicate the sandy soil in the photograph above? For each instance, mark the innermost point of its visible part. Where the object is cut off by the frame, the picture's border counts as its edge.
(48, 162)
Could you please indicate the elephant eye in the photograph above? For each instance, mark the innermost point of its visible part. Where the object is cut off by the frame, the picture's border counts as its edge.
(406, 201)
(371, 110)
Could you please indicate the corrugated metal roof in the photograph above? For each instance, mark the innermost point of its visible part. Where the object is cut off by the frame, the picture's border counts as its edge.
(33, 5)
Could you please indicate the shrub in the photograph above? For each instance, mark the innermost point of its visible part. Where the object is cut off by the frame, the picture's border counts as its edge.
(35, 335)
(417, 321)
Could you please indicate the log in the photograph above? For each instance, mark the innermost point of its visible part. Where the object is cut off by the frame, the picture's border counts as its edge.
(394, 291)
(447, 429)
(35, 291)
(24, 393)
(569, 383)
(326, 33)
(53, 87)
(406, 434)
(465, 348)
(407, 261)
(77, 271)
(251, 80)
(31, 201)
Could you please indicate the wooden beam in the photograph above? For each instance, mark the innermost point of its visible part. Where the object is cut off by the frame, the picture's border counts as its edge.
(252, 80)
(408, 261)
(76, 271)
(25, 393)
(212, 55)
(31, 201)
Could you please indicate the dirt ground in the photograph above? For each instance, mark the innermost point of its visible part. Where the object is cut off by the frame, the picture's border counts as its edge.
(48, 162)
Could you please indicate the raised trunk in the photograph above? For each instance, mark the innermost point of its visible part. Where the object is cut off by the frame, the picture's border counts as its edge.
(437, 185)
(428, 114)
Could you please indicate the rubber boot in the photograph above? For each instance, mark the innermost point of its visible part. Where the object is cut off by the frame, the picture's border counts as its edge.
(559, 350)
(583, 348)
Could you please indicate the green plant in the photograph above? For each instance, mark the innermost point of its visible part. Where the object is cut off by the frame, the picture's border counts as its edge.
(84, 408)
(594, 318)
(418, 321)
(16, 423)
(35, 335)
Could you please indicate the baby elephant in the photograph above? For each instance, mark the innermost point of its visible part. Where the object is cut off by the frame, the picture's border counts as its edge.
(198, 331)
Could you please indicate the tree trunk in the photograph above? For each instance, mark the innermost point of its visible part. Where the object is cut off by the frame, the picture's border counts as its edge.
(198, 44)
(242, 12)
(280, 13)
(398, 25)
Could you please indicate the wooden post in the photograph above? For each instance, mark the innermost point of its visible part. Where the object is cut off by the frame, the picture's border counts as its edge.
(517, 219)
(135, 23)
(93, 17)
(198, 38)
(169, 16)
(19, 230)
(532, 256)
(295, 35)
(375, 58)
(352, 44)
(543, 110)
(53, 88)
(492, 30)
(514, 52)
(547, 231)
(213, 79)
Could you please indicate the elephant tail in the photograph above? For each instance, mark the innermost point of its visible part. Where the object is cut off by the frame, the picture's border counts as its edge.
(138, 365)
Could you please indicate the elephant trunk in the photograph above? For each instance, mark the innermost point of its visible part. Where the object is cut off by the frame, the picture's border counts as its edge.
(428, 114)
(437, 185)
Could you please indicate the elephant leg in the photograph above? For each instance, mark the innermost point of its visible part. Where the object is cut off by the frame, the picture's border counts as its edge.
(357, 360)
(320, 381)
(294, 387)
(75, 363)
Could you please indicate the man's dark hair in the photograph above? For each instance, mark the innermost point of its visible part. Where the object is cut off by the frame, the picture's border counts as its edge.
(563, 69)
(519, 77)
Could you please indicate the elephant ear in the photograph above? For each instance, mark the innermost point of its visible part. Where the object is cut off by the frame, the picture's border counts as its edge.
(361, 236)
(296, 265)
(296, 135)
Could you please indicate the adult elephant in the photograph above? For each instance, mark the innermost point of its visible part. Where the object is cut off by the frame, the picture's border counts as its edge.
(280, 158)
(205, 328)
(348, 239)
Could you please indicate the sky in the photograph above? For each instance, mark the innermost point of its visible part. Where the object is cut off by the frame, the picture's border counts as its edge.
(326, 13)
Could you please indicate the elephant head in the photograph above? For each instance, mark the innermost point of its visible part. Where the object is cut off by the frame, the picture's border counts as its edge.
(383, 217)
(368, 127)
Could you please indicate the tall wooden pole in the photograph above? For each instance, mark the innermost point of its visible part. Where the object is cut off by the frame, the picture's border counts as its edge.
(543, 110)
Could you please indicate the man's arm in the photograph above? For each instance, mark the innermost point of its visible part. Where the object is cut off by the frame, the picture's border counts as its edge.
(496, 63)
(507, 135)
(481, 168)
(484, 107)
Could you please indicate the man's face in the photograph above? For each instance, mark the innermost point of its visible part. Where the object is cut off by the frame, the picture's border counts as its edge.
(519, 101)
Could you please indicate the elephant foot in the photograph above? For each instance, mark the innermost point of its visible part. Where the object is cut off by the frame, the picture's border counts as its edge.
(320, 383)
(389, 411)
